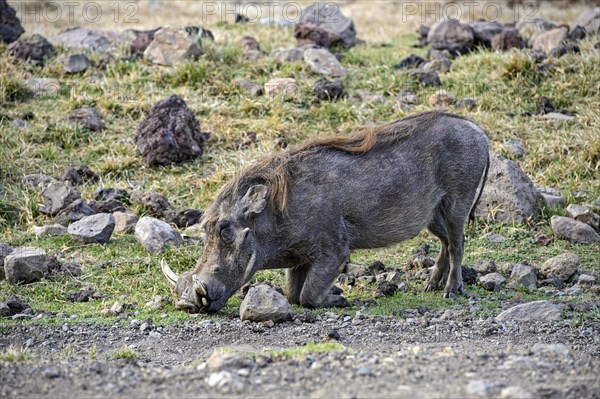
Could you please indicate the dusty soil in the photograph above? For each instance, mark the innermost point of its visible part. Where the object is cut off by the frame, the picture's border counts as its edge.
(436, 354)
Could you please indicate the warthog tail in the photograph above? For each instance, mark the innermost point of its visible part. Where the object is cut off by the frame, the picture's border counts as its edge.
(485, 175)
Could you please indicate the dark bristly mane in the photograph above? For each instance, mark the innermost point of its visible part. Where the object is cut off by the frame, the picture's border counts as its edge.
(274, 171)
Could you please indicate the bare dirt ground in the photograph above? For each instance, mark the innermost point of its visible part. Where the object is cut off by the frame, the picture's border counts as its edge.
(437, 354)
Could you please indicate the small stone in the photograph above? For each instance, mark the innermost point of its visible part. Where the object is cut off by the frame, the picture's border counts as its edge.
(514, 149)
(26, 265)
(184, 217)
(321, 61)
(584, 214)
(74, 212)
(554, 201)
(451, 35)
(80, 296)
(263, 303)
(110, 206)
(573, 230)
(426, 78)
(225, 381)
(556, 116)
(290, 54)
(441, 98)
(364, 372)
(5, 250)
(408, 98)
(411, 61)
(86, 39)
(485, 266)
(329, 17)
(550, 349)
(562, 266)
(125, 222)
(549, 39)
(586, 279)
(325, 89)
(481, 389)
(107, 194)
(43, 86)
(4, 310)
(468, 103)
(495, 238)
(507, 39)
(564, 49)
(515, 392)
(16, 305)
(95, 229)
(221, 361)
(170, 46)
(88, 119)
(356, 270)
(18, 124)
(523, 275)
(76, 63)
(49, 230)
(116, 308)
(155, 235)
(78, 174)
(492, 281)
(57, 196)
(250, 88)
(532, 311)
(153, 202)
(439, 66)
(368, 97)
(286, 87)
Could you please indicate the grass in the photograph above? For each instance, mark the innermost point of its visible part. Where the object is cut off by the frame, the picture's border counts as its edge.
(562, 155)
(124, 353)
(14, 354)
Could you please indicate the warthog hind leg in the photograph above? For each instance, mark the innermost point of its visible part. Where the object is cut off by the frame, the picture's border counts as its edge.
(440, 272)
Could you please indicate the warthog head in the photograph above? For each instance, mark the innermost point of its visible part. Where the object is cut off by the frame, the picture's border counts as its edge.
(230, 255)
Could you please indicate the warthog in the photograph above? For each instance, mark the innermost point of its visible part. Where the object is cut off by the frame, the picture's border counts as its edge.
(305, 209)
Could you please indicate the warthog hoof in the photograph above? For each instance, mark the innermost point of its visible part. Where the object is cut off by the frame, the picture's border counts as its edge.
(335, 301)
(430, 287)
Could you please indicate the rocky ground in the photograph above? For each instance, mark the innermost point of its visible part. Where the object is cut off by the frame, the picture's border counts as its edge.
(430, 355)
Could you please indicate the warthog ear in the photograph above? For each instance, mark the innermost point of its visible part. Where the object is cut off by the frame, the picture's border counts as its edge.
(255, 199)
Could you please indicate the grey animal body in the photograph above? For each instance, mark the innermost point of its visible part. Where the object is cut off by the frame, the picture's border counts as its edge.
(306, 209)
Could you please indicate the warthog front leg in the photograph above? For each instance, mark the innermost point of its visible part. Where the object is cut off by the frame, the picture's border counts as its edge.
(319, 279)
(440, 272)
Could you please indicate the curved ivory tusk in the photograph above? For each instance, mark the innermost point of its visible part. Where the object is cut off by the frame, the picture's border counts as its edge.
(204, 302)
(169, 274)
(199, 285)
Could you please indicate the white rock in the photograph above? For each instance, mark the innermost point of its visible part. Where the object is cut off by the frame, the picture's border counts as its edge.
(532, 311)
(155, 235)
(263, 303)
(323, 62)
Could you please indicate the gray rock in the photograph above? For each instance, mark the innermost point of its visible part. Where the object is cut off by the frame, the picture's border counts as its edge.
(557, 116)
(38, 180)
(550, 349)
(410, 61)
(356, 270)
(170, 133)
(76, 63)
(95, 229)
(43, 86)
(507, 39)
(439, 66)
(26, 265)
(79, 173)
(226, 382)
(220, 361)
(110, 206)
(486, 266)
(549, 39)
(264, 303)
(108, 193)
(10, 26)
(326, 90)
(554, 201)
(532, 311)
(251, 48)
(492, 281)
(73, 212)
(523, 275)
(87, 118)
(329, 17)
(572, 230)
(155, 235)
(18, 124)
(590, 20)
(183, 218)
(286, 87)
(426, 78)
(468, 103)
(584, 214)
(495, 238)
(515, 392)
(4, 310)
(125, 222)
(5, 250)
(408, 98)
(484, 31)
(530, 27)
(152, 202)
(586, 279)
(16, 304)
(562, 266)
(451, 35)
(49, 230)
(34, 50)
(57, 196)
(441, 98)
(509, 194)
(87, 39)
(321, 61)
(250, 88)
(368, 97)
(171, 46)
(514, 149)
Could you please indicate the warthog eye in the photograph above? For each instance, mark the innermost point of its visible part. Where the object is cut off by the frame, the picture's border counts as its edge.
(226, 233)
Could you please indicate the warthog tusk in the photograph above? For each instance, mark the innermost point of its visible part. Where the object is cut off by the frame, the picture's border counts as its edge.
(204, 302)
(199, 285)
(169, 274)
